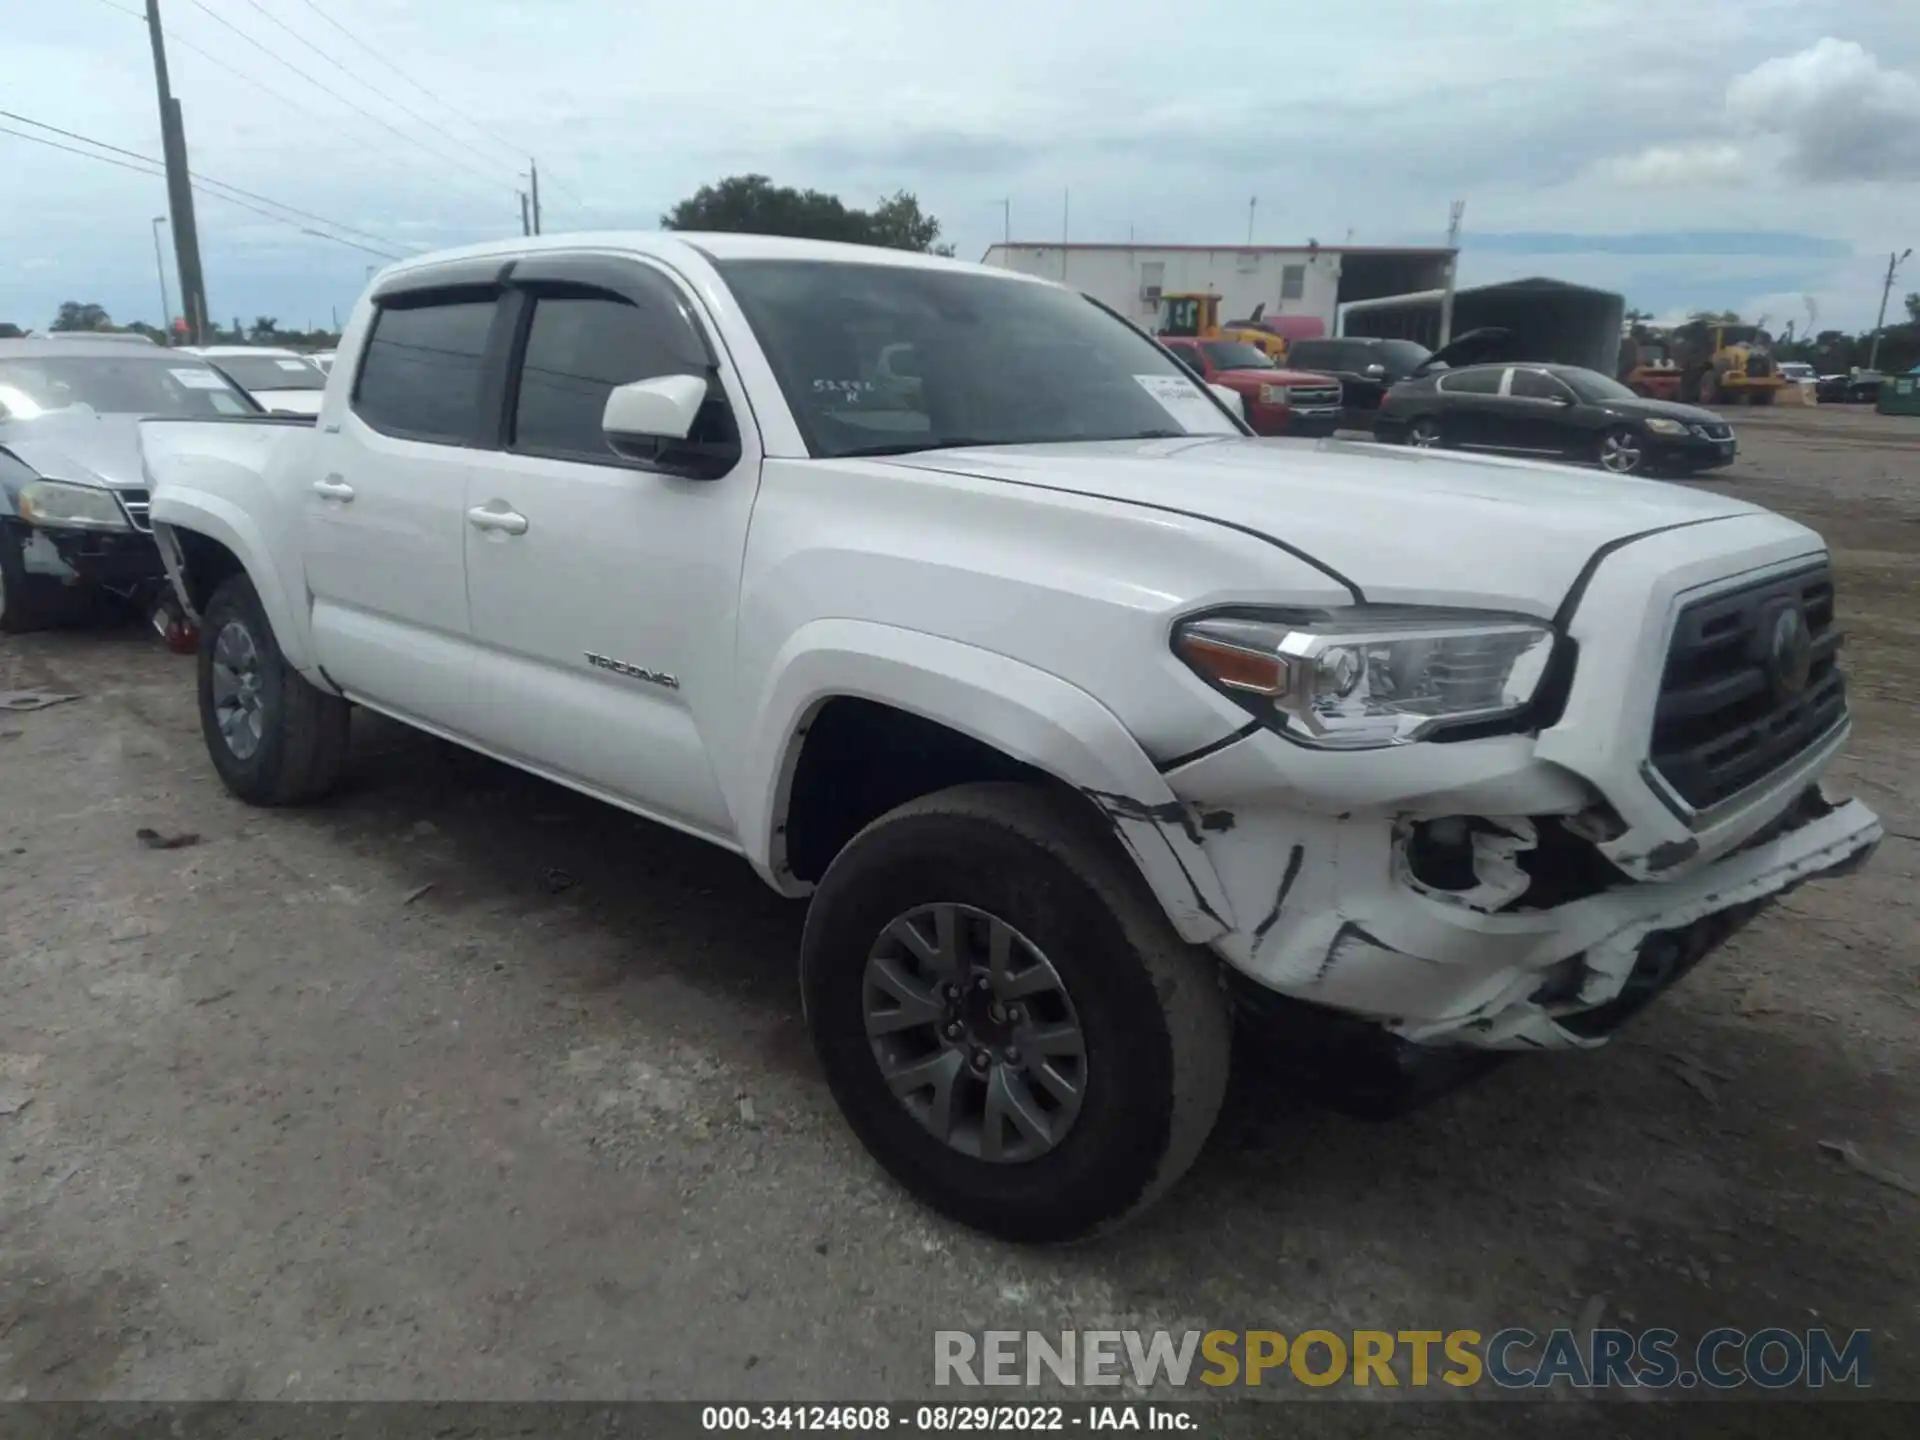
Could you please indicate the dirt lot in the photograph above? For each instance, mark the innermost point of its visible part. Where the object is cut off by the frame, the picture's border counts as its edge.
(462, 1086)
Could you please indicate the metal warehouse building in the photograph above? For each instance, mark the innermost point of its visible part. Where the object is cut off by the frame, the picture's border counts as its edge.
(1550, 319)
(1308, 280)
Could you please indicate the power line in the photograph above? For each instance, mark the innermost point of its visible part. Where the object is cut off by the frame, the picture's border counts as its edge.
(278, 23)
(174, 38)
(495, 136)
(221, 20)
(207, 179)
(204, 190)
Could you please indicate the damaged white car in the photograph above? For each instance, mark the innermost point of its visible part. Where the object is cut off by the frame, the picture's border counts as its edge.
(1086, 720)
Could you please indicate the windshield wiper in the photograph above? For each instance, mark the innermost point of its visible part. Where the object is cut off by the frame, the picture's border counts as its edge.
(908, 447)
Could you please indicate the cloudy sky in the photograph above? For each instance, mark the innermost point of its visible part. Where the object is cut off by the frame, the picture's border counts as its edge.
(1746, 155)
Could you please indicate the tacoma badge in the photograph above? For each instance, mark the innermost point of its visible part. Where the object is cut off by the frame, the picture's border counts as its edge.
(638, 672)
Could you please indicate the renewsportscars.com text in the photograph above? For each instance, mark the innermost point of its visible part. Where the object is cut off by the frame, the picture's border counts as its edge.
(1509, 1359)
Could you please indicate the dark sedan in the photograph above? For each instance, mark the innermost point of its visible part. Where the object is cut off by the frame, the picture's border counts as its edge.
(1556, 411)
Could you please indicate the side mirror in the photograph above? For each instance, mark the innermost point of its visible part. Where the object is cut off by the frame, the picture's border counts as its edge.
(673, 424)
(1232, 399)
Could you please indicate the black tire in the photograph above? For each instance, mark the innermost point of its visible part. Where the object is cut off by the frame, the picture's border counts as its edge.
(302, 744)
(1151, 1008)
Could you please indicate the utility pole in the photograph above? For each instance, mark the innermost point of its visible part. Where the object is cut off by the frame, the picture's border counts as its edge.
(160, 264)
(1006, 224)
(526, 224)
(1455, 213)
(1886, 290)
(534, 175)
(1066, 213)
(1252, 205)
(173, 148)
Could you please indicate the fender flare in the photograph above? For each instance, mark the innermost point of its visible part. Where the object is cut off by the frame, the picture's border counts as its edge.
(218, 519)
(1031, 715)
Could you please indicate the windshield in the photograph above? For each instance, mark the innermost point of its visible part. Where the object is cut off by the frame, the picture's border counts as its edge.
(1403, 357)
(1593, 387)
(268, 372)
(1236, 355)
(886, 359)
(135, 384)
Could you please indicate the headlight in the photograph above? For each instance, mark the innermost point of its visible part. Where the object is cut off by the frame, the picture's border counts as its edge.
(1274, 395)
(1667, 427)
(1369, 677)
(78, 507)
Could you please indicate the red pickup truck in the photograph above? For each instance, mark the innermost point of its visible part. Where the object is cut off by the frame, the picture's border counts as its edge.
(1278, 402)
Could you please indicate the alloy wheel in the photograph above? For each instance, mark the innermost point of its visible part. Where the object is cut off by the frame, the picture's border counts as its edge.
(1425, 435)
(974, 1033)
(238, 706)
(1620, 452)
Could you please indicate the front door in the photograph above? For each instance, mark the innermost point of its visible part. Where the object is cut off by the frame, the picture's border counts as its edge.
(1468, 409)
(383, 519)
(603, 592)
(1542, 413)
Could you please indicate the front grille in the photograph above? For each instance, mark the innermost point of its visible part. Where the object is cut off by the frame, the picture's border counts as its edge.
(1725, 721)
(1303, 396)
(1759, 366)
(134, 502)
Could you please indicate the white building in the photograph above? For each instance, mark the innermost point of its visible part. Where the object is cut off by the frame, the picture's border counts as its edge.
(1307, 280)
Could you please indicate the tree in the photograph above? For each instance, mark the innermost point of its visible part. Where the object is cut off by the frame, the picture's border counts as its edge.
(10, 331)
(1913, 307)
(1716, 317)
(76, 316)
(264, 327)
(753, 204)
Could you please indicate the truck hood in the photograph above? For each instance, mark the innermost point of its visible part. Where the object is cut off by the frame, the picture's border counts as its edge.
(1254, 379)
(85, 448)
(1396, 525)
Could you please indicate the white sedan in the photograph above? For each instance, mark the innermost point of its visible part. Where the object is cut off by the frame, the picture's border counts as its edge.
(285, 382)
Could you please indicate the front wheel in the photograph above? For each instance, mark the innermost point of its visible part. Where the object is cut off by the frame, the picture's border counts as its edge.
(1622, 452)
(274, 738)
(1008, 1022)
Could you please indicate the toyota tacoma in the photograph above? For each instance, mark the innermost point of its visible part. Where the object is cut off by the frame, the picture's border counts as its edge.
(1087, 723)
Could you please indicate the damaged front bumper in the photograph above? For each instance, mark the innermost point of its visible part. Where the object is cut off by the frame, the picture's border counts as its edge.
(1328, 910)
(123, 561)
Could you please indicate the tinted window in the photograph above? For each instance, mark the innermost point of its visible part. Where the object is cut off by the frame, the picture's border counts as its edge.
(1321, 355)
(420, 377)
(1537, 385)
(1000, 361)
(1402, 357)
(580, 347)
(1478, 381)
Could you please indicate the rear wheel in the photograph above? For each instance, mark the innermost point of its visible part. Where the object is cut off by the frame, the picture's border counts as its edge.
(274, 738)
(1424, 434)
(1007, 1021)
(1622, 451)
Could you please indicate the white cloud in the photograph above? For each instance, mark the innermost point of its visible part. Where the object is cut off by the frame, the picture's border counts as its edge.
(1842, 115)
(1709, 162)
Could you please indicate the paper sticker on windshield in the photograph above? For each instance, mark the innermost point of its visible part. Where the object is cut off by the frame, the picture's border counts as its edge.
(198, 379)
(297, 366)
(1195, 412)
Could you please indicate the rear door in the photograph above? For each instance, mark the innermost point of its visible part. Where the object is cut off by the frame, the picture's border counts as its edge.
(383, 518)
(603, 591)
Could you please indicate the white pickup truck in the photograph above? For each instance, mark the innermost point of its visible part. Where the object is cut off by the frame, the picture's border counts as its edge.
(1089, 722)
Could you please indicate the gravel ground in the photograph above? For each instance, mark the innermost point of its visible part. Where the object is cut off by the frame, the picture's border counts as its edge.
(463, 1086)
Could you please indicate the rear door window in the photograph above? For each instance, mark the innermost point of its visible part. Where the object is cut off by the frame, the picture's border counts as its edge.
(1472, 382)
(420, 376)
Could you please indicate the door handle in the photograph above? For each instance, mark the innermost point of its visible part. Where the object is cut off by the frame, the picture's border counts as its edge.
(334, 488)
(507, 522)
